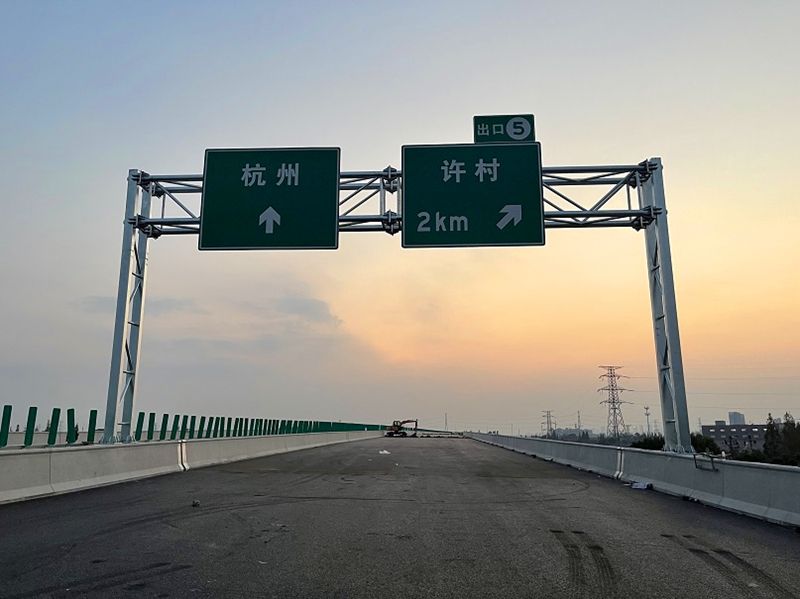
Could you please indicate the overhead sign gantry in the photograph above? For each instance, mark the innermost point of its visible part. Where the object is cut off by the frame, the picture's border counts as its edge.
(493, 192)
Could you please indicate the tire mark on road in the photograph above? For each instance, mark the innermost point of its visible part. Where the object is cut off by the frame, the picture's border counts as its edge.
(732, 576)
(755, 572)
(112, 579)
(132, 583)
(607, 576)
(758, 574)
(574, 560)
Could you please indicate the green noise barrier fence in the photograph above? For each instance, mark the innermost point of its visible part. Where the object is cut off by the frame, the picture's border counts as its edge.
(183, 427)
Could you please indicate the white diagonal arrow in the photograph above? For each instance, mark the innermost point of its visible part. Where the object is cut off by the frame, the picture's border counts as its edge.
(511, 212)
(271, 217)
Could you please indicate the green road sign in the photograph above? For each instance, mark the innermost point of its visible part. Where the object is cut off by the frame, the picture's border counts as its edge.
(273, 198)
(503, 128)
(472, 195)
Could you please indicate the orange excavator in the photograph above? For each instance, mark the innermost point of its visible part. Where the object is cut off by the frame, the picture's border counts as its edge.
(396, 429)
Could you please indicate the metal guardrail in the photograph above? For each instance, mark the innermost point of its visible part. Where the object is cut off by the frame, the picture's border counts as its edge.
(705, 462)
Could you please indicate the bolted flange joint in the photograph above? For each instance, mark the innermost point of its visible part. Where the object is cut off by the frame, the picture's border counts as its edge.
(139, 222)
(641, 222)
(391, 179)
(392, 222)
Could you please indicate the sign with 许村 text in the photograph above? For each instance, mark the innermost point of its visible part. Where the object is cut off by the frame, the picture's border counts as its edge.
(459, 195)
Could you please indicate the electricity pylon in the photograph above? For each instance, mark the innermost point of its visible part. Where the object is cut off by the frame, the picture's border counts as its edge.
(616, 424)
(548, 424)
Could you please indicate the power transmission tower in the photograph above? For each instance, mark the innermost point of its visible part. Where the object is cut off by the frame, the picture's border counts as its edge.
(647, 416)
(616, 424)
(548, 424)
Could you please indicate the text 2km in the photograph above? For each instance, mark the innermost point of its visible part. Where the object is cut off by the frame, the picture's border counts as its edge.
(441, 222)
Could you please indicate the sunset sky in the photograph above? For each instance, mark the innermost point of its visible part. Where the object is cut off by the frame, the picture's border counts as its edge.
(373, 332)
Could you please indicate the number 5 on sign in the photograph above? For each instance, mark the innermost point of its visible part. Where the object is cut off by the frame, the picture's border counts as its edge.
(503, 128)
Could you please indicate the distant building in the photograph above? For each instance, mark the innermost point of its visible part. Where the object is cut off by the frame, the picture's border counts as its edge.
(736, 437)
(735, 417)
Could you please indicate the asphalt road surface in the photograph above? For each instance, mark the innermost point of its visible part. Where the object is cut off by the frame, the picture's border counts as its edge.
(432, 518)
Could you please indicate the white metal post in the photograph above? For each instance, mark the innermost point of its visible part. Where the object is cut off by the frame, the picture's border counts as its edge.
(121, 319)
(133, 341)
(671, 385)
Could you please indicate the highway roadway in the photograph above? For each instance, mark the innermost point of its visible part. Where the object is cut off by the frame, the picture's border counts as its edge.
(431, 518)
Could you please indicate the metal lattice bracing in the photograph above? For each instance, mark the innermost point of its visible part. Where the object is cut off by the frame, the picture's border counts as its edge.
(575, 197)
(364, 195)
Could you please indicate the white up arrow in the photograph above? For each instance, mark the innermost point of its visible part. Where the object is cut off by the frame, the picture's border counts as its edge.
(511, 212)
(271, 217)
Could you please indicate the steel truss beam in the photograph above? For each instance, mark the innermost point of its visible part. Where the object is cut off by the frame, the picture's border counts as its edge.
(618, 196)
(361, 189)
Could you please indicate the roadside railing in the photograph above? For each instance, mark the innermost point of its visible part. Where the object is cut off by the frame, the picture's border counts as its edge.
(150, 428)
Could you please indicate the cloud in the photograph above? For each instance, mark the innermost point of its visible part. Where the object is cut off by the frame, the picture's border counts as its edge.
(307, 308)
(294, 313)
(295, 324)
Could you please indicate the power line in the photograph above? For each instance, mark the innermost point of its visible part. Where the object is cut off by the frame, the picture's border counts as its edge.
(788, 393)
(724, 378)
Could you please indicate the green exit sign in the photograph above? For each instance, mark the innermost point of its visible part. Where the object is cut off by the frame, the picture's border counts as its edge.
(505, 128)
(472, 195)
(272, 198)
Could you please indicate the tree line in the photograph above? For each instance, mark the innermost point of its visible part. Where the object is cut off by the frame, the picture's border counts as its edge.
(781, 443)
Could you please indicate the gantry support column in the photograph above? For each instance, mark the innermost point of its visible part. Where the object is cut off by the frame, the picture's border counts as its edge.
(129, 314)
(671, 385)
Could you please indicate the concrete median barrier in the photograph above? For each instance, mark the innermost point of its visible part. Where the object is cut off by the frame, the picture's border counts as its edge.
(24, 474)
(207, 452)
(602, 459)
(671, 473)
(769, 491)
(94, 466)
(766, 491)
(31, 473)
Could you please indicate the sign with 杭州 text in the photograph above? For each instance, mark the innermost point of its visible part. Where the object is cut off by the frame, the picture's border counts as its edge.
(274, 198)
